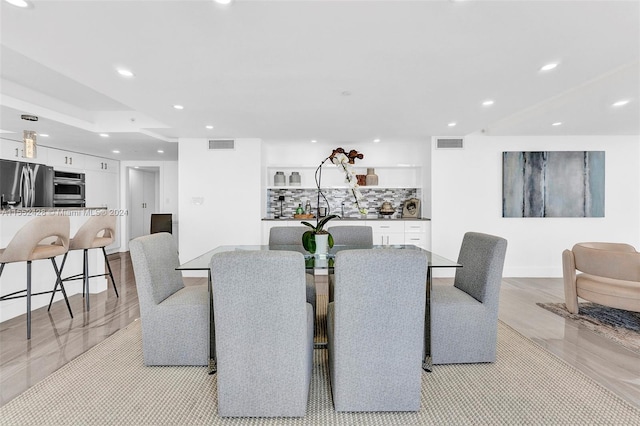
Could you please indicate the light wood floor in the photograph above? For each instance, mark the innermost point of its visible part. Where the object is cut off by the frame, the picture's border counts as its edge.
(57, 339)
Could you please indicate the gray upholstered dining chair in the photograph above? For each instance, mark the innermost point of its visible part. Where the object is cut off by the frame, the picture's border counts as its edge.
(264, 333)
(175, 318)
(292, 235)
(375, 327)
(30, 243)
(286, 235)
(352, 235)
(464, 317)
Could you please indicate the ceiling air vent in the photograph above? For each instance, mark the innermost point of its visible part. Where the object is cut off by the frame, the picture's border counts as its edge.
(453, 143)
(218, 144)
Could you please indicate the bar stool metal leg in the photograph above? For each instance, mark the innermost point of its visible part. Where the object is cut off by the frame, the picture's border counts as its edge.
(59, 281)
(106, 260)
(28, 299)
(85, 272)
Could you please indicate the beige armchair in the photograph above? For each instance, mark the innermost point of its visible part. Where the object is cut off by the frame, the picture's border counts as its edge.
(610, 275)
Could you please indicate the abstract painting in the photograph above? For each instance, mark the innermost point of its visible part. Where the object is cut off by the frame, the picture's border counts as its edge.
(553, 184)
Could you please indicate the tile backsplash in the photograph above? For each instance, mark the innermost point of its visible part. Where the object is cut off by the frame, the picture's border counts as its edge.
(373, 199)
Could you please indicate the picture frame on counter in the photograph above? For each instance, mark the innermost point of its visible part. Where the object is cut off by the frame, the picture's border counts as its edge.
(411, 209)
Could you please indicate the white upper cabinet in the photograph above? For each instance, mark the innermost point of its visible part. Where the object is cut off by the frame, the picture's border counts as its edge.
(65, 160)
(10, 150)
(100, 164)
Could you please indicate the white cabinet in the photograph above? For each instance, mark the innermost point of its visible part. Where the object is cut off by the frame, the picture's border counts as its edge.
(65, 160)
(418, 233)
(11, 150)
(101, 164)
(386, 232)
(101, 189)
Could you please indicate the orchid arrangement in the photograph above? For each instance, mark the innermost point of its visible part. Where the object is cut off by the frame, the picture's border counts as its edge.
(345, 161)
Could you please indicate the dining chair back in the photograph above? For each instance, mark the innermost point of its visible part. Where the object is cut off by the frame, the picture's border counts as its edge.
(161, 222)
(352, 235)
(375, 328)
(464, 317)
(286, 235)
(264, 333)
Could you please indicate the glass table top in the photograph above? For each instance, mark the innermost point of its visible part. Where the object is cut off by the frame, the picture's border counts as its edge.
(315, 261)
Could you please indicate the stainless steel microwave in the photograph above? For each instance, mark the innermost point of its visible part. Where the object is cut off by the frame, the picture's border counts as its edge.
(68, 186)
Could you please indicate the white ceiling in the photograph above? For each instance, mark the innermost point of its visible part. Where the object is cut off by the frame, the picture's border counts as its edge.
(335, 71)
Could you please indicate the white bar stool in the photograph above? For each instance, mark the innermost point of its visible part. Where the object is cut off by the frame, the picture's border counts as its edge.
(30, 244)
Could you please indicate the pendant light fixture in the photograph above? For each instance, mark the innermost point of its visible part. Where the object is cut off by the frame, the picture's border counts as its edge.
(29, 138)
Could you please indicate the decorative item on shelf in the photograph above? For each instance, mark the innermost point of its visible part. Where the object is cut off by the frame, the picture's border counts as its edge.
(372, 177)
(387, 209)
(307, 207)
(300, 210)
(294, 179)
(339, 158)
(279, 179)
(411, 209)
(303, 216)
(362, 180)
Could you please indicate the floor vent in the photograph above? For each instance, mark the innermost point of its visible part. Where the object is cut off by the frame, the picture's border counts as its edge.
(221, 144)
(454, 143)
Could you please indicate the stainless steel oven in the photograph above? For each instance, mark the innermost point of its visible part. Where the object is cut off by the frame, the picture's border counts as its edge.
(68, 189)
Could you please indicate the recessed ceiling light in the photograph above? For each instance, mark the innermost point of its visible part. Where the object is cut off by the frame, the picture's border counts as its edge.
(19, 3)
(452, 124)
(621, 103)
(178, 107)
(488, 102)
(125, 73)
(160, 151)
(104, 135)
(549, 66)
(223, 1)
(557, 123)
(115, 151)
(376, 140)
(314, 141)
(44, 135)
(209, 127)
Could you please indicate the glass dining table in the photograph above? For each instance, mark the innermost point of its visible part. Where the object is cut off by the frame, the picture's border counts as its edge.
(323, 264)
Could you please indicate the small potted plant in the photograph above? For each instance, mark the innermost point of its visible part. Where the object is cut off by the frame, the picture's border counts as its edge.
(314, 239)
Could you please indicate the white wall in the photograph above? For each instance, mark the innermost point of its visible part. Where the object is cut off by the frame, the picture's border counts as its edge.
(467, 196)
(229, 185)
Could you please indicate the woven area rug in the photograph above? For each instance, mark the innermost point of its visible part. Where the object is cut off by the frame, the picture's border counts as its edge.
(623, 327)
(108, 385)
